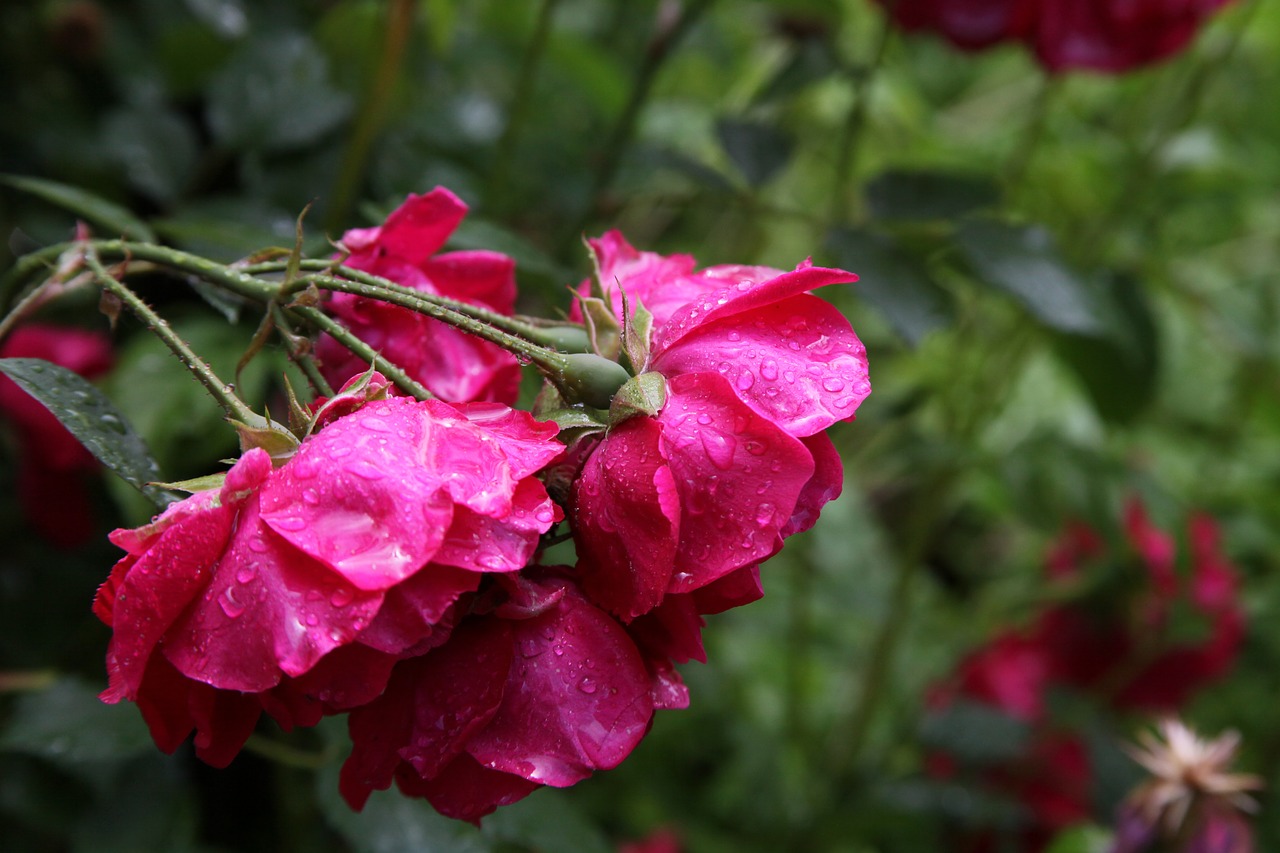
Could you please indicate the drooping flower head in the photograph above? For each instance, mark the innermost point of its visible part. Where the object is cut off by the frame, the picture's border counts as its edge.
(52, 464)
(294, 590)
(728, 457)
(455, 366)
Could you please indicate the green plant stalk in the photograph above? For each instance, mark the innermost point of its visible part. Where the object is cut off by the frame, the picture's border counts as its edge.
(1033, 132)
(306, 364)
(619, 139)
(373, 110)
(521, 102)
(485, 315)
(340, 333)
(289, 756)
(219, 390)
(373, 287)
(852, 133)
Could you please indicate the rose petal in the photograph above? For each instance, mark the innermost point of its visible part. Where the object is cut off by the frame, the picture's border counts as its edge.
(797, 361)
(464, 789)
(413, 231)
(626, 519)
(416, 609)
(268, 610)
(824, 486)
(577, 699)
(739, 477)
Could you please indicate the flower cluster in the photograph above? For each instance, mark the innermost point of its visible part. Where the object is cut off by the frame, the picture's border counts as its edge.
(1129, 658)
(1101, 35)
(390, 567)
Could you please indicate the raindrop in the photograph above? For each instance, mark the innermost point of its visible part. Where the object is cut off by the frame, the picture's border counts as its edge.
(310, 497)
(704, 419)
(764, 514)
(769, 370)
(246, 574)
(745, 380)
(755, 448)
(342, 596)
(257, 546)
(832, 384)
(312, 620)
(587, 685)
(365, 470)
(227, 601)
(734, 336)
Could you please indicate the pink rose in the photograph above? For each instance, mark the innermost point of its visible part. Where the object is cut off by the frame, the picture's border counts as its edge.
(53, 466)
(753, 369)
(295, 590)
(455, 366)
(542, 689)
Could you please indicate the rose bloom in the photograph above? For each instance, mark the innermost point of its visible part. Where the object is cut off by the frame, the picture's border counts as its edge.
(53, 466)
(753, 368)
(1100, 35)
(295, 590)
(454, 366)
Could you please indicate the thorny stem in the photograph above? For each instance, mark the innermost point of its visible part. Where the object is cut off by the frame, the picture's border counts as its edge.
(374, 288)
(853, 131)
(395, 34)
(485, 315)
(521, 102)
(219, 390)
(340, 333)
(297, 356)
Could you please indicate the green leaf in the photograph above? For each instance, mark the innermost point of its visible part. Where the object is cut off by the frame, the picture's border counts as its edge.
(812, 60)
(759, 151)
(1120, 368)
(275, 94)
(107, 215)
(546, 821)
(156, 149)
(392, 822)
(894, 282)
(69, 725)
(1086, 838)
(975, 733)
(92, 418)
(1022, 262)
(927, 195)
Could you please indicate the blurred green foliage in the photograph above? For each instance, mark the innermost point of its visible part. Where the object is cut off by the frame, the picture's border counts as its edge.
(1067, 292)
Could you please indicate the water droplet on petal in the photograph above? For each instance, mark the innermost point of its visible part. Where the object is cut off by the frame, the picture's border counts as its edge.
(312, 620)
(769, 369)
(734, 336)
(764, 514)
(745, 380)
(832, 384)
(310, 497)
(246, 574)
(342, 596)
(704, 419)
(587, 685)
(230, 606)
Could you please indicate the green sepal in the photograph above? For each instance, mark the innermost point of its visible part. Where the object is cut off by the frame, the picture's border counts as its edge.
(196, 484)
(645, 394)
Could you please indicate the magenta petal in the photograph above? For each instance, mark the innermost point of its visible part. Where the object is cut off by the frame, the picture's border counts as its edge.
(358, 496)
(671, 630)
(459, 688)
(413, 231)
(465, 790)
(733, 590)
(413, 611)
(156, 590)
(797, 362)
(346, 678)
(577, 699)
(505, 544)
(267, 610)
(825, 485)
(626, 519)
(745, 295)
(667, 688)
(377, 731)
(479, 277)
(739, 477)
(224, 720)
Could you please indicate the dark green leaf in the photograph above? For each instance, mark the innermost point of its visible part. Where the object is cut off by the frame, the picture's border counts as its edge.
(975, 733)
(156, 149)
(69, 725)
(1085, 838)
(759, 151)
(107, 215)
(392, 823)
(1120, 369)
(546, 821)
(812, 61)
(903, 195)
(274, 94)
(894, 282)
(92, 419)
(1023, 262)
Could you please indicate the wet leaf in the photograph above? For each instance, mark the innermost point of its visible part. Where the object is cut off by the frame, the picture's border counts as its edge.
(92, 418)
(107, 215)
